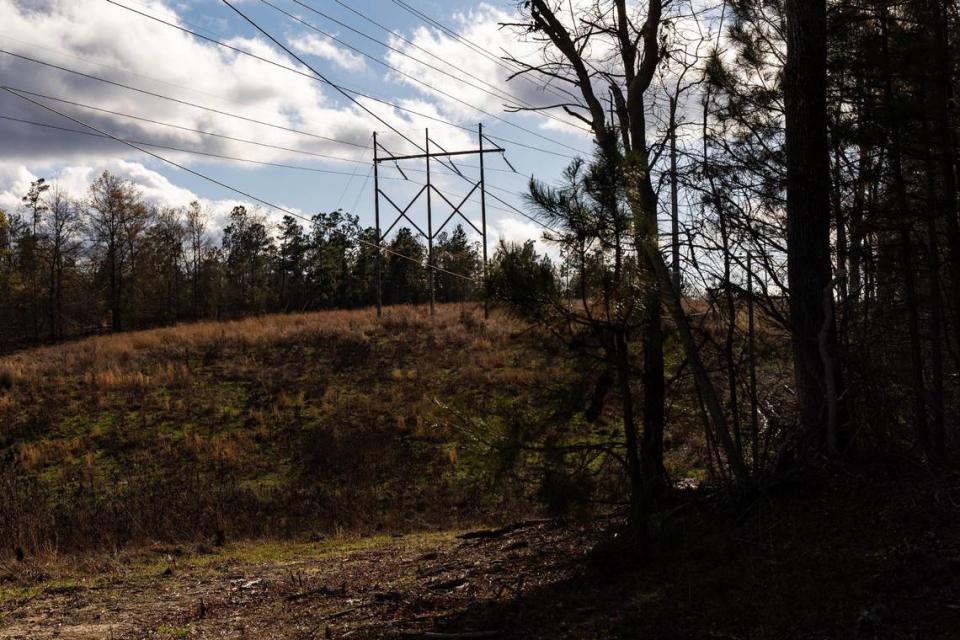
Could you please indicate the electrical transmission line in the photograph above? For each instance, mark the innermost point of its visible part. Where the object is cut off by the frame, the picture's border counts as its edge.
(344, 91)
(493, 90)
(176, 149)
(355, 101)
(417, 80)
(512, 208)
(226, 157)
(479, 49)
(192, 130)
(476, 48)
(182, 102)
(218, 182)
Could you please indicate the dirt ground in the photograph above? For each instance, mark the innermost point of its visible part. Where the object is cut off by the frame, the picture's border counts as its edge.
(848, 556)
(373, 588)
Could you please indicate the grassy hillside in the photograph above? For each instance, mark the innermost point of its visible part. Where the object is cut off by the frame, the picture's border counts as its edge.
(267, 426)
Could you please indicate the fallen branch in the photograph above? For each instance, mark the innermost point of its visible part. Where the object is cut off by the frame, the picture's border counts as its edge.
(319, 591)
(467, 635)
(501, 531)
(436, 635)
(341, 613)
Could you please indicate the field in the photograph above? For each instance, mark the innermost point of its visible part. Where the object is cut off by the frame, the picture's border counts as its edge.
(277, 426)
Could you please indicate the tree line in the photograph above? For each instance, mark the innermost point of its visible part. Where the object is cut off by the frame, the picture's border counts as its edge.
(812, 147)
(112, 261)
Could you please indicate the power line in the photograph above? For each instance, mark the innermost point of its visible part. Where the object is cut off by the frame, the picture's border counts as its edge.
(347, 186)
(347, 95)
(458, 175)
(212, 110)
(287, 50)
(511, 142)
(344, 91)
(477, 48)
(182, 102)
(192, 130)
(66, 54)
(527, 146)
(480, 50)
(317, 77)
(412, 77)
(496, 92)
(362, 187)
(512, 209)
(413, 44)
(220, 183)
(176, 149)
(351, 176)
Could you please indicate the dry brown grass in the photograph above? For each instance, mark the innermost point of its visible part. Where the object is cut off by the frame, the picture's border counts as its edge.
(116, 361)
(290, 424)
(264, 426)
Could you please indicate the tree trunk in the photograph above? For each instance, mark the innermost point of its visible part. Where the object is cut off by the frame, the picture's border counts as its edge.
(939, 90)
(674, 198)
(808, 211)
(936, 451)
(52, 295)
(654, 392)
(752, 351)
(916, 346)
(635, 470)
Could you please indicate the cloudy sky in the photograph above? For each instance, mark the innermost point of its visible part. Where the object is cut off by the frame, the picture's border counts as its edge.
(322, 138)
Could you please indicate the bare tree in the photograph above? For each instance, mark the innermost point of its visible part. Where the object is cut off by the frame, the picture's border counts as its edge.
(115, 217)
(35, 203)
(199, 245)
(568, 40)
(61, 228)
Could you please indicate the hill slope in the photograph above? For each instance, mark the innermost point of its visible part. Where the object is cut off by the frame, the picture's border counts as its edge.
(270, 426)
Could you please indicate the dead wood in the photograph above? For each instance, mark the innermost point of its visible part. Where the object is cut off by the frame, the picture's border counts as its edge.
(484, 534)
(319, 591)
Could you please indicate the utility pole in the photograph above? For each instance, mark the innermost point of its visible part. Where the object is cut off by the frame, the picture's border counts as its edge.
(376, 213)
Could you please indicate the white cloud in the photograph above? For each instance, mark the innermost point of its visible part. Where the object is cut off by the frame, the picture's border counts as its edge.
(518, 231)
(14, 182)
(476, 79)
(112, 43)
(75, 180)
(97, 38)
(326, 49)
(155, 188)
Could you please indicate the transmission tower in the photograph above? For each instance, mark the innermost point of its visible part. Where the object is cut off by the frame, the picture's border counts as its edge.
(430, 189)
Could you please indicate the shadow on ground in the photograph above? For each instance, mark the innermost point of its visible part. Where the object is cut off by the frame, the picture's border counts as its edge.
(849, 556)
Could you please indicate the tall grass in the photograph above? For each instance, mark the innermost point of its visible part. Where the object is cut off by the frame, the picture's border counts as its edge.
(275, 425)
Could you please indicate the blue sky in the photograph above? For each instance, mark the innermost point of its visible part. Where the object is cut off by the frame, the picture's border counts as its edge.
(98, 38)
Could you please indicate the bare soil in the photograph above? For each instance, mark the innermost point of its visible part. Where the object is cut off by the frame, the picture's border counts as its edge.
(391, 586)
(842, 555)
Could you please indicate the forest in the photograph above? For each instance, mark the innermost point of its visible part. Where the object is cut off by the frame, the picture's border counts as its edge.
(717, 396)
(112, 262)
